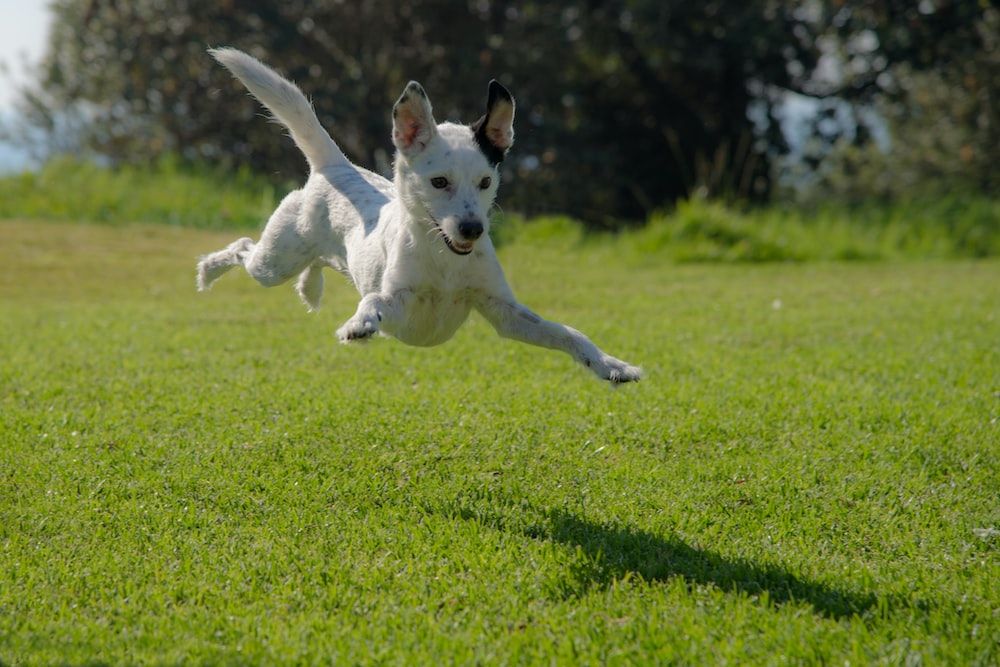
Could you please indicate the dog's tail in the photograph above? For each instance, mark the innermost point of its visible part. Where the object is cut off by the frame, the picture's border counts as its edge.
(287, 103)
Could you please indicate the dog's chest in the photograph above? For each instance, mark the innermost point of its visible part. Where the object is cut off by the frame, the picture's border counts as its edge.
(433, 315)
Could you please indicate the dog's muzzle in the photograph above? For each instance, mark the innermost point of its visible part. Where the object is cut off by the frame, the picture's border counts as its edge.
(456, 247)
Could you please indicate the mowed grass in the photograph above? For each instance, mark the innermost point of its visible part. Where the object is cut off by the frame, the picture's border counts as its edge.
(810, 472)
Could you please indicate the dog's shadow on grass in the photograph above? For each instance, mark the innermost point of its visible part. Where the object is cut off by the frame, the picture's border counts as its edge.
(613, 553)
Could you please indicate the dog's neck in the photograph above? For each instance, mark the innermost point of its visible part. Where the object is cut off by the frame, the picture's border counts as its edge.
(415, 216)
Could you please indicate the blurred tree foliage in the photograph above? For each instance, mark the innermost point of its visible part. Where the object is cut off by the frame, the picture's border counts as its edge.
(943, 141)
(623, 105)
(938, 101)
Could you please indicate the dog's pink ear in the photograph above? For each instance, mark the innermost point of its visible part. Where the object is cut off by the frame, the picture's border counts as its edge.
(495, 131)
(413, 124)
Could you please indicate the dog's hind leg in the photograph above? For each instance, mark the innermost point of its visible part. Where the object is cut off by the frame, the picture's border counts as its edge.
(290, 242)
(284, 250)
(310, 285)
(213, 265)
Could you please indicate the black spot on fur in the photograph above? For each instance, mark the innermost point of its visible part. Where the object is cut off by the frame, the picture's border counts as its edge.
(493, 154)
(496, 93)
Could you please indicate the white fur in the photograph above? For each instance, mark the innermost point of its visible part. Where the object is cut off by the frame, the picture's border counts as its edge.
(398, 242)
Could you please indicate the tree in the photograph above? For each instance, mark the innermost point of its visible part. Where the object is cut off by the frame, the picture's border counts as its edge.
(623, 105)
(932, 72)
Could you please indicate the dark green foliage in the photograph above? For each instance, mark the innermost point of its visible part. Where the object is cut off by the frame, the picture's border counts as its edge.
(931, 72)
(624, 106)
(632, 98)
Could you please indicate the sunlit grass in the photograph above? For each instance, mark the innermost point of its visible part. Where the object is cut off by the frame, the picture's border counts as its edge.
(167, 193)
(695, 231)
(809, 473)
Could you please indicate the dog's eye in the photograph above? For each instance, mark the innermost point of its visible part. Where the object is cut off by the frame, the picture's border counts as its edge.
(485, 183)
(440, 182)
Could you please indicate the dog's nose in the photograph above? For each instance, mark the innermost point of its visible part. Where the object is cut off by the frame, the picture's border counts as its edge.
(470, 229)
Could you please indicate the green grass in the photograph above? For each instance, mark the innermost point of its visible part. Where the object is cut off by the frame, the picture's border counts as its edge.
(696, 231)
(707, 231)
(810, 473)
(166, 193)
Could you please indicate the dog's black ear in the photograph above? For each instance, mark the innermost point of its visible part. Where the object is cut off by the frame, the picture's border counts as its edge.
(413, 124)
(495, 131)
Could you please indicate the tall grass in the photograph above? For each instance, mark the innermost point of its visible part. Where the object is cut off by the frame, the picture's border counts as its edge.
(165, 192)
(694, 231)
(941, 227)
(709, 231)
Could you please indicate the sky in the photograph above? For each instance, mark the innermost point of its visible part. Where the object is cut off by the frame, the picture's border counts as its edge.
(23, 30)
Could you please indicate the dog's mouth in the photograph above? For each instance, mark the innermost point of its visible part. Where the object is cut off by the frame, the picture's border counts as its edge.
(455, 246)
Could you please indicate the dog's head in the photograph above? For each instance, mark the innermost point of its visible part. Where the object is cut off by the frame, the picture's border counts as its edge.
(447, 175)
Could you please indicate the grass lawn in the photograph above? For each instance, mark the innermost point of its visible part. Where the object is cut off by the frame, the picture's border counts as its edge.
(810, 472)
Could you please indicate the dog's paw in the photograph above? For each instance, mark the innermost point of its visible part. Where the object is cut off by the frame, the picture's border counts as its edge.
(357, 328)
(614, 370)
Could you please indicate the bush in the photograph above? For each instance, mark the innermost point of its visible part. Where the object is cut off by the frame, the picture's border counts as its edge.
(74, 190)
(696, 230)
(704, 231)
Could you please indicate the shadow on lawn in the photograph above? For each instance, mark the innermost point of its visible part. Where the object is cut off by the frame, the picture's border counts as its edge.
(617, 552)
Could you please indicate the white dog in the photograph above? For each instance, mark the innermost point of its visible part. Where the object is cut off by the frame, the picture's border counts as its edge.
(417, 248)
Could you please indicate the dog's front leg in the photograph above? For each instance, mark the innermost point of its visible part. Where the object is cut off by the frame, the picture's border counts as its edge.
(372, 311)
(513, 320)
